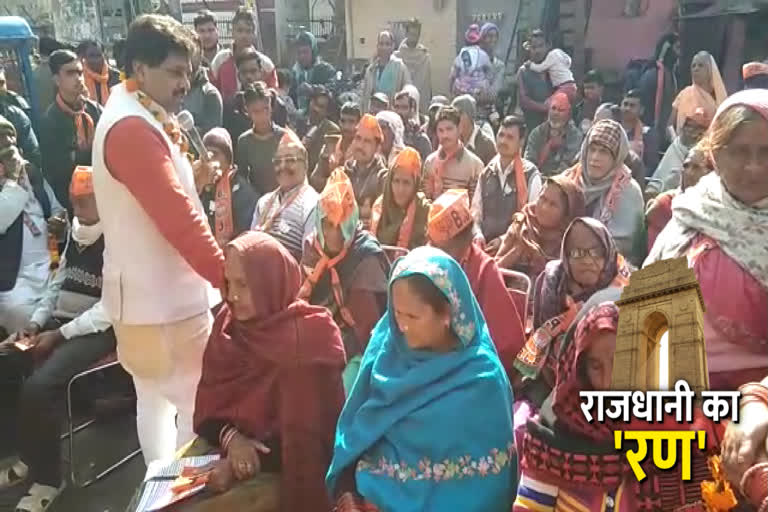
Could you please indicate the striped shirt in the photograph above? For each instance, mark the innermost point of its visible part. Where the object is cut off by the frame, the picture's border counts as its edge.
(290, 224)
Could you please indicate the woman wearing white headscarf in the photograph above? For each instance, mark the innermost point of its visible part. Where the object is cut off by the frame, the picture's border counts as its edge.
(392, 126)
(612, 196)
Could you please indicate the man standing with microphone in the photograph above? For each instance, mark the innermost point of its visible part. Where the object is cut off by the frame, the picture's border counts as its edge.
(161, 262)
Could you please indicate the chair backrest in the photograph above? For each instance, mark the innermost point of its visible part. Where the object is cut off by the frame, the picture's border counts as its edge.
(519, 288)
(394, 252)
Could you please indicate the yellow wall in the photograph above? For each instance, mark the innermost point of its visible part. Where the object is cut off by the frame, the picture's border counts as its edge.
(366, 18)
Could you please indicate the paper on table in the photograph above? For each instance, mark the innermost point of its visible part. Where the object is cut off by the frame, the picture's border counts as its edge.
(158, 482)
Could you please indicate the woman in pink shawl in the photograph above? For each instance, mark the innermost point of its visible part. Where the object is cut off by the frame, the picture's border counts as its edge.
(721, 226)
(706, 92)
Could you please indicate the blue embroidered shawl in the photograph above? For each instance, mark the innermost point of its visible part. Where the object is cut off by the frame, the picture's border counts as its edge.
(427, 430)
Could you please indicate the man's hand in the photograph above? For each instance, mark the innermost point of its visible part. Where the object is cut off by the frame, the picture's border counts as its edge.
(45, 343)
(206, 173)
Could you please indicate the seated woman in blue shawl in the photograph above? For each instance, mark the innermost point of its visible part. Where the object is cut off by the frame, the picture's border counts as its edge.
(428, 422)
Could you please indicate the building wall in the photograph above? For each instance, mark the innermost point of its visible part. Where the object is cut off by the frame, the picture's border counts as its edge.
(616, 39)
(366, 18)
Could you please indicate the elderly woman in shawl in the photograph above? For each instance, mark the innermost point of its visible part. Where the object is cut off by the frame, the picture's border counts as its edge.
(271, 388)
(612, 196)
(720, 225)
(552, 443)
(345, 268)
(399, 216)
(588, 263)
(535, 235)
(393, 129)
(401, 443)
(706, 92)
(309, 69)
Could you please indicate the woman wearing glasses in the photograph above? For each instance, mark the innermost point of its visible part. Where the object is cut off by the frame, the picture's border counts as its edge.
(721, 225)
(288, 212)
(588, 262)
(612, 195)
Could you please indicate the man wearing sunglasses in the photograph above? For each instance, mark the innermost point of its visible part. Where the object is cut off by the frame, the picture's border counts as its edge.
(288, 212)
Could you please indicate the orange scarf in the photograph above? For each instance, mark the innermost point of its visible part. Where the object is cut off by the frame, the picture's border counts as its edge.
(406, 228)
(97, 83)
(520, 183)
(328, 264)
(637, 143)
(224, 225)
(435, 180)
(266, 220)
(170, 124)
(83, 123)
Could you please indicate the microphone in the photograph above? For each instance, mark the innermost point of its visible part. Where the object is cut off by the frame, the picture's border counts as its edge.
(187, 123)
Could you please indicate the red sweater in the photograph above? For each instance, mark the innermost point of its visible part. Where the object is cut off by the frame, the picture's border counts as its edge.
(151, 178)
(501, 315)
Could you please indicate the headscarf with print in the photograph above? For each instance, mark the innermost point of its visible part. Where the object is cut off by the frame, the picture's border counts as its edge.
(555, 307)
(602, 195)
(386, 430)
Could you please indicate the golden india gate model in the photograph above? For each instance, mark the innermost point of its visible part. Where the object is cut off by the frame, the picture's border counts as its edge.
(662, 297)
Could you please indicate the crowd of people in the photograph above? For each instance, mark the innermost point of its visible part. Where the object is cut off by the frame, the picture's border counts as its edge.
(322, 291)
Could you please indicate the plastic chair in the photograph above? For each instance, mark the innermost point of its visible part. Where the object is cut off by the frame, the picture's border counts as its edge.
(519, 288)
(394, 252)
(106, 363)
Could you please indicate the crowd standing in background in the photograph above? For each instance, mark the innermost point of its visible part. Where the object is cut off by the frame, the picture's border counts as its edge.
(328, 289)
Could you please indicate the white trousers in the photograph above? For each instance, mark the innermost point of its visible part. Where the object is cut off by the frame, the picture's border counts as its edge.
(166, 362)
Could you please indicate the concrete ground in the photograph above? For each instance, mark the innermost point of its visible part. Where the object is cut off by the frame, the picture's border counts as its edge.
(97, 447)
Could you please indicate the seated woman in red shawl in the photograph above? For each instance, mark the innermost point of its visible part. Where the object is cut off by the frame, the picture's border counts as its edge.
(553, 443)
(535, 235)
(721, 226)
(450, 228)
(271, 389)
(588, 263)
(695, 166)
(346, 270)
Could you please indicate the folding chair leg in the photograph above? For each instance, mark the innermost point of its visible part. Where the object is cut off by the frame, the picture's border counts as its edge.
(72, 430)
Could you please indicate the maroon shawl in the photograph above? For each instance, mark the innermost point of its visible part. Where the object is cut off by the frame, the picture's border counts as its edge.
(278, 374)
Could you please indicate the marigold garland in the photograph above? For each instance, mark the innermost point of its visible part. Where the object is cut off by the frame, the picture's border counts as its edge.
(717, 494)
(170, 125)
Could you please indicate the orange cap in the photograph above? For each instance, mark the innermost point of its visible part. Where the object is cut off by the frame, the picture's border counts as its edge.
(290, 138)
(82, 181)
(369, 126)
(751, 69)
(561, 101)
(449, 215)
(337, 200)
(408, 160)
